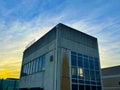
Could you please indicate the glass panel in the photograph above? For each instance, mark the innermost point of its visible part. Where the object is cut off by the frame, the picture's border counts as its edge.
(80, 55)
(87, 82)
(80, 72)
(86, 74)
(98, 83)
(94, 88)
(85, 56)
(86, 65)
(74, 72)
(73, 53)
(80, 62)
(74, 87)
(37, 63)
(92, 74)
(81, 81)
(97, 76)
(31, 66)
(91, 62)
(99, 88)
(81, 87)
(93, 82)
(43, 62)
(74, 80)
(96, 64)
(27, 69)
(87, 87)
(39, 67)
(73, 60)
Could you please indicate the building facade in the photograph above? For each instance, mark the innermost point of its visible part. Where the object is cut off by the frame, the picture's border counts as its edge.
(9, 84)
(111, 78)
(63, 59)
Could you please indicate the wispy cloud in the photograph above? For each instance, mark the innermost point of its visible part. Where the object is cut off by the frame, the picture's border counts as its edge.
(22, 22)
(15, 37)
(108, 34)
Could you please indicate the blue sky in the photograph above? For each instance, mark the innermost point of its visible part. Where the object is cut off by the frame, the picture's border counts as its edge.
(22, 21)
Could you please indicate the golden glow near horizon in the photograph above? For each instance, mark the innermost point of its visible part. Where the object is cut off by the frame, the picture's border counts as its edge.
(10, 64)
(9, 73)
(20, 24)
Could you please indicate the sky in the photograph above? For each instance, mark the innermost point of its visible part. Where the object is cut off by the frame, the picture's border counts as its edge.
(22, 21)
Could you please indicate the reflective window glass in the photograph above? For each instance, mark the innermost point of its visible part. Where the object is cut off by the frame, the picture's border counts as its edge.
(74, 81)
(92, 74)
(74, 87)
(43, 62)
(86, 74)
(96, 64)
(93, 88)
(81, 87)
(80, 62)
(37, 62)
(73, 53)
(39, 67)
(81, 81)
(87, 87)
(97, 76)
(80, 72)
(86, 64)
(73, 60)
(91, 62)
(31, 66)
(74, 72)
(99, 88)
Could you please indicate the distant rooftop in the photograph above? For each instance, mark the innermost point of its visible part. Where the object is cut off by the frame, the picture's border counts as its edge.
(115, 70)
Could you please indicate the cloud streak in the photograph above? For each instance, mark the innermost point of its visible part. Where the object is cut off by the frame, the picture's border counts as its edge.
(21, 23)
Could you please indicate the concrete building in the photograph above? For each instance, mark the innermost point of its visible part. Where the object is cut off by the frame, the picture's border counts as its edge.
(9, 84)
(63, 59)
(111, 78)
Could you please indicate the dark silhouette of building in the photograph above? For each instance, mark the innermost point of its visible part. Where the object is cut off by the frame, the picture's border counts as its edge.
(9, 84)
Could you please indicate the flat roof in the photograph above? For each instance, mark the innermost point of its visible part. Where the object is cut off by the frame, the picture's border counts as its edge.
(115, 70)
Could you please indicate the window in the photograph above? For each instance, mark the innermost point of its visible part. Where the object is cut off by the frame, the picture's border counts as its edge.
(91, 62)
(87, 87)
(33, 69)
(74, 72)
(34, 66)
(73, 60)
(80, 72)
(81, 87)
(93, 88)
(86, 65)
(96, 64)
(85, 72)
(43, 62)
(51, 58)
(80, 62)
(31, 66)
(97, 76)
(37, 64)
(28, 68)
(92, 74)
(39, 67)
(74, 87)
